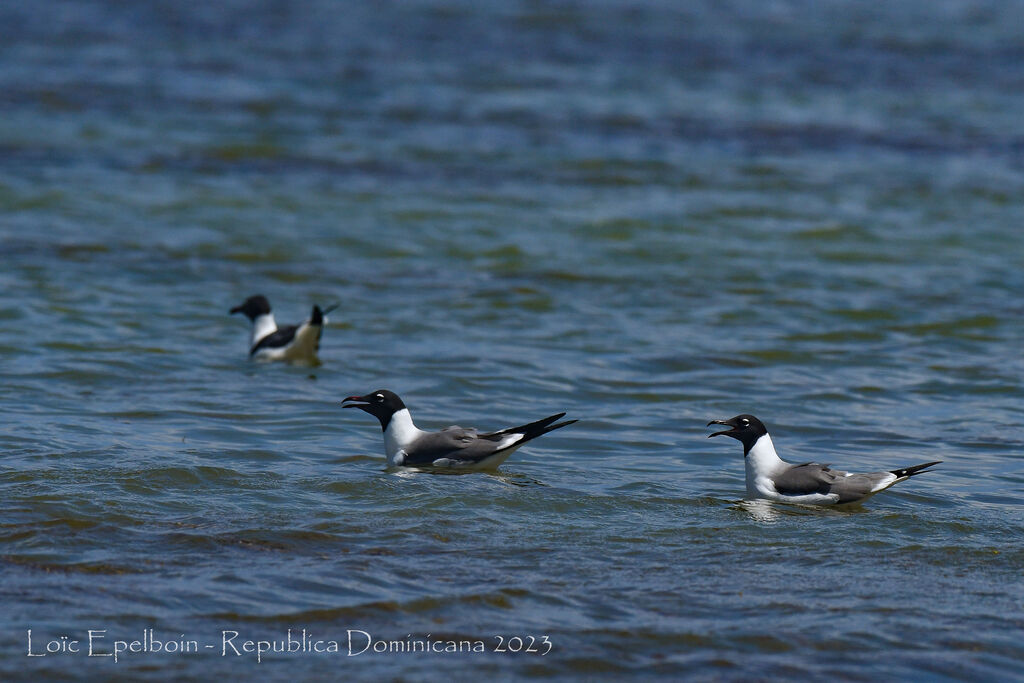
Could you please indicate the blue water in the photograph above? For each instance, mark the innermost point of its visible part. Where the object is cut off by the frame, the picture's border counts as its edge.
(646, 215)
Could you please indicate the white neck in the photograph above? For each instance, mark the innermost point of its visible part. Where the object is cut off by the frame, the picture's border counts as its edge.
(262, 326)
(400, 433)
(762, 460)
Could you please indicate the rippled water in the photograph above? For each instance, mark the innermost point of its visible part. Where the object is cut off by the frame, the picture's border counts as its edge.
(643, 215)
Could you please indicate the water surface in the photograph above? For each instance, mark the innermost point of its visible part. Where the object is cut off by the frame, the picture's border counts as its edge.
(646, 216)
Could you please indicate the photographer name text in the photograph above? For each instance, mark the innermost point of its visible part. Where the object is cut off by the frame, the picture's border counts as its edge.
(354, 643)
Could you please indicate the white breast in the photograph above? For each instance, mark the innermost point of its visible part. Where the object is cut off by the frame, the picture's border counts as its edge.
(262, 326)
(401, 432)
(761, 463)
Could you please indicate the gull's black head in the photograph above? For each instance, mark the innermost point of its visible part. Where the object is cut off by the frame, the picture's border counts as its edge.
(746, 429)
(382, 404)
(253, 307)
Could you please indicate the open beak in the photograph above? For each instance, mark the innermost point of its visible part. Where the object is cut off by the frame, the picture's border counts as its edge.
(236, 309)
(361, 404)
(724, 431)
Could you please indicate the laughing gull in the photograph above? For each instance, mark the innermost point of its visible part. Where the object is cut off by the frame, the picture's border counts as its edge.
(457, 447)
(768, 476)
(293, 343)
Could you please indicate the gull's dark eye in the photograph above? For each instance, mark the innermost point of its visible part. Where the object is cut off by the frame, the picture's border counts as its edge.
(746, 421)
(380, 397)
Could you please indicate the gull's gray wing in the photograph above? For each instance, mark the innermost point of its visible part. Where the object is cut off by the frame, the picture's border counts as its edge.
(810, 477)
(453, 443)
(461, 432)
(805, 479)
(282, 336)
(463, 447)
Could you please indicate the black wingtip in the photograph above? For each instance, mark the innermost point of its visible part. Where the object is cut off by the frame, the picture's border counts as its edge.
(553, 427)
(916, 469)
(540, 427)
(318, 316)
(541, 424)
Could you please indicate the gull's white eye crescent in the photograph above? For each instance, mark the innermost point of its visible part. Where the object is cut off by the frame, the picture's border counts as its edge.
(380, 397)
